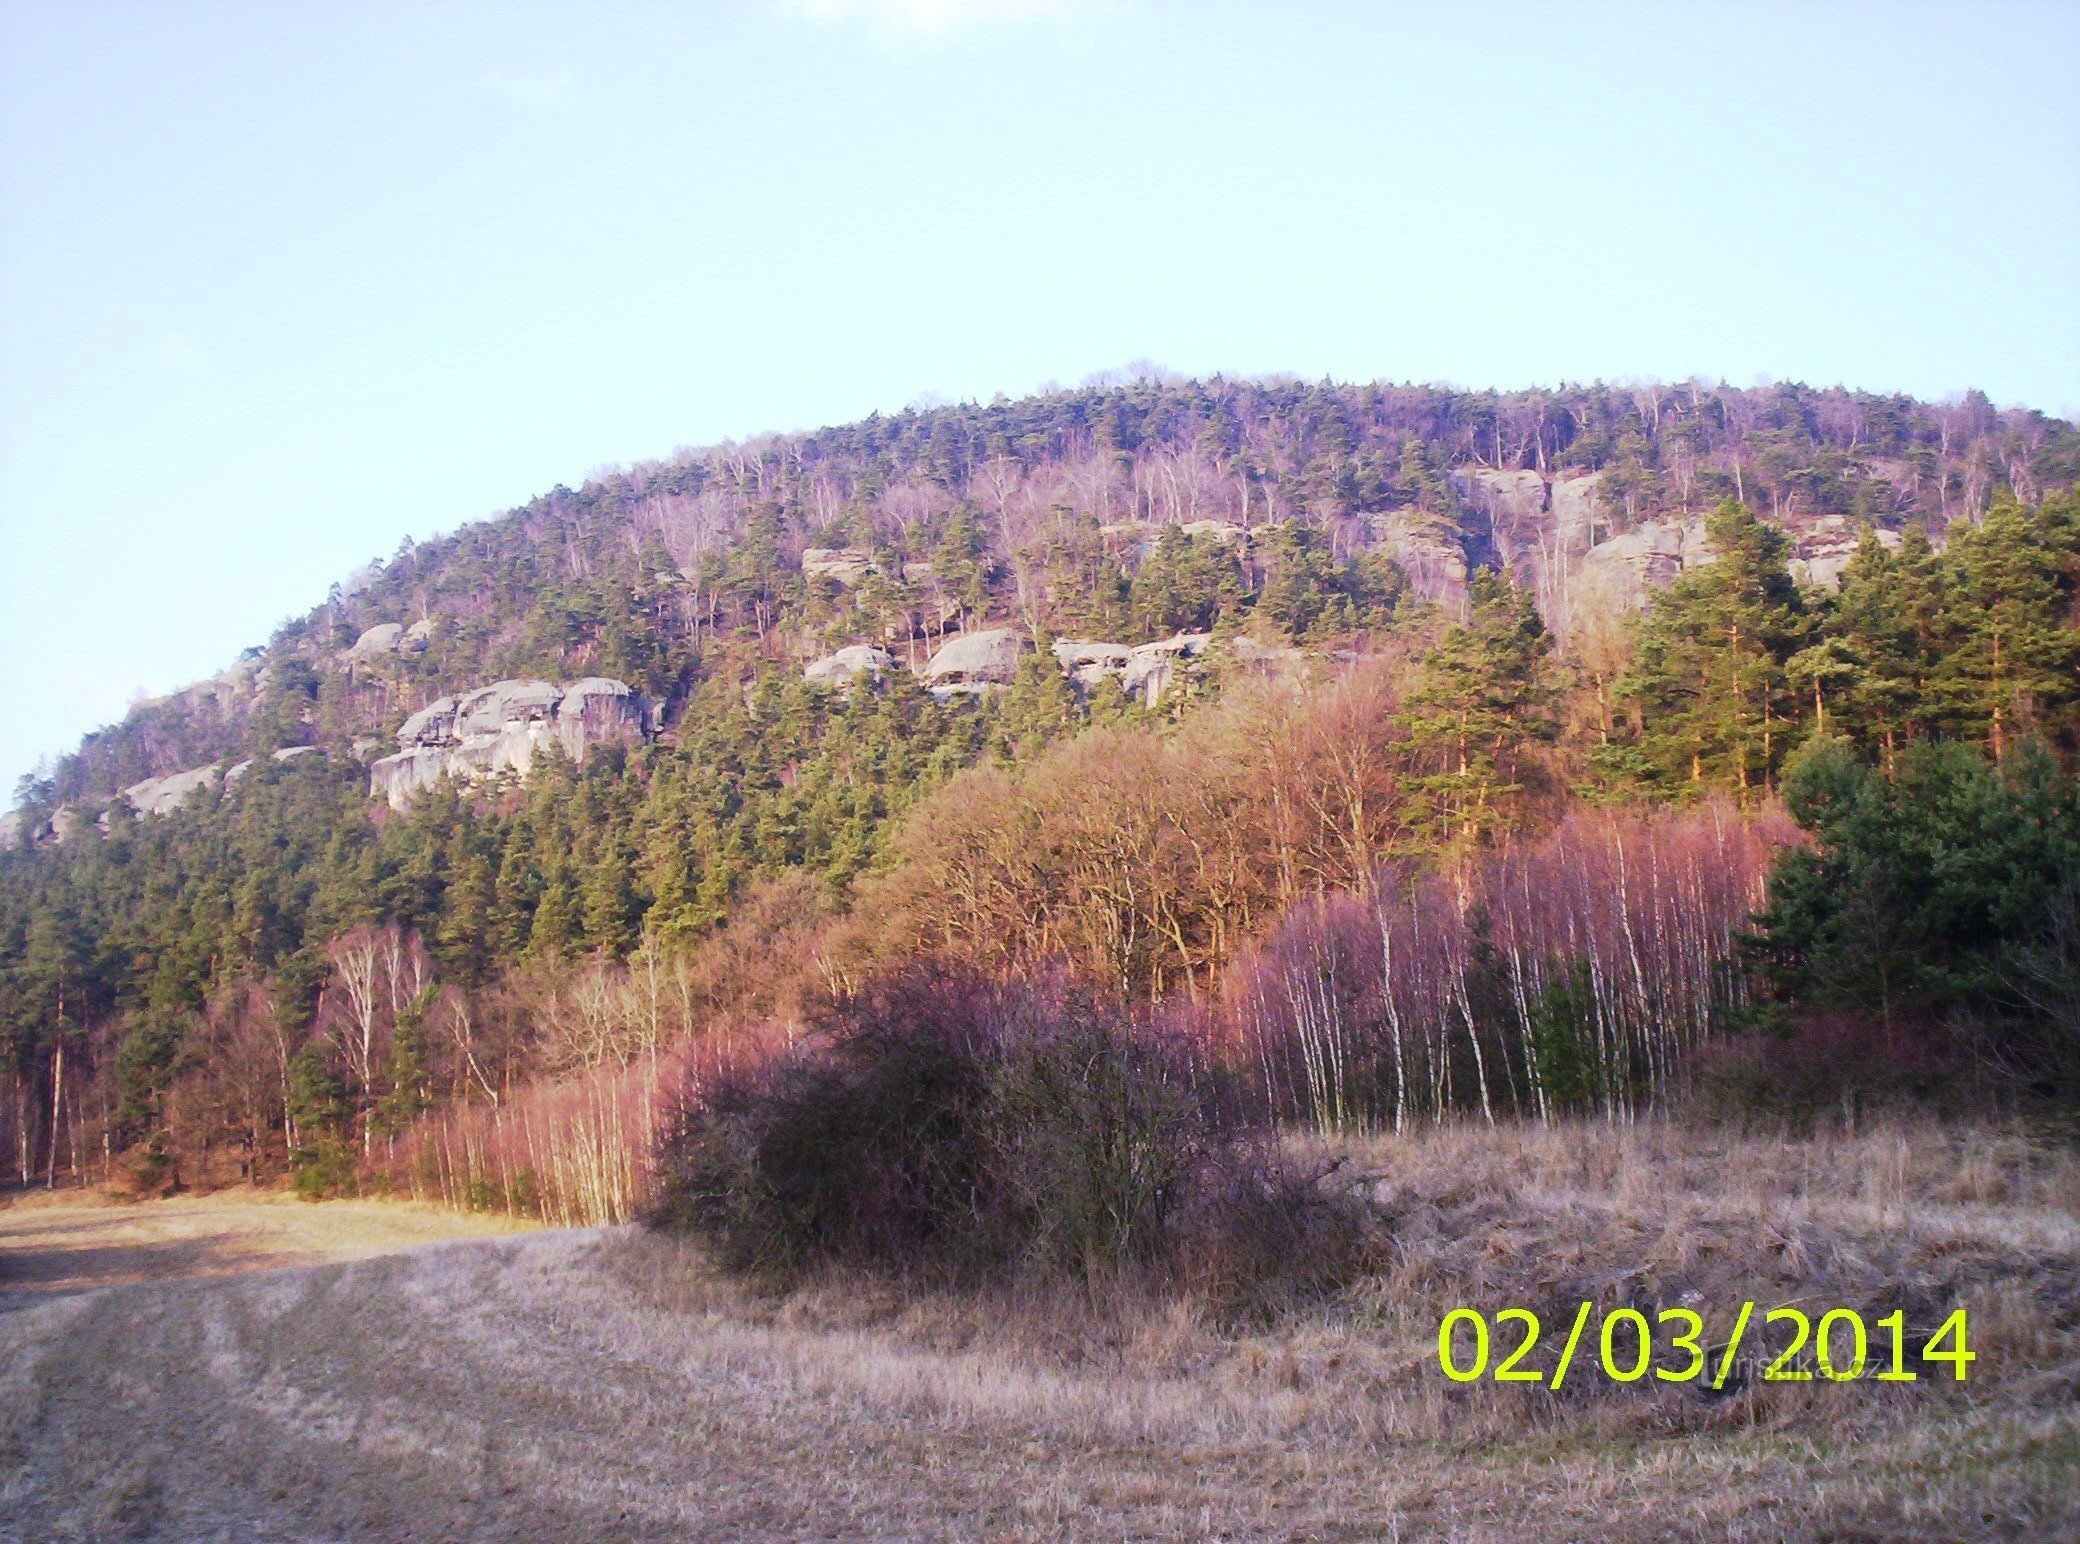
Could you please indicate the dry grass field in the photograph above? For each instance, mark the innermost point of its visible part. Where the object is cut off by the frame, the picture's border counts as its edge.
(354, 1380)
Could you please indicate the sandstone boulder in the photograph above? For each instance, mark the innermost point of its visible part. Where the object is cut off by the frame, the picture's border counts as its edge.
(848, 566)
(1429, 549)
(158, 795)
(1821, 551)
(377, 641)
(501, 727)
(854, 660)
(986, 658)
(1087, 663)
(1511, 496)
(1152, 668)
(1577, 512)
(1621, 574)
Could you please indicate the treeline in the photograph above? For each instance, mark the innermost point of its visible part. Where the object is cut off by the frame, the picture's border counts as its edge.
(1015, 507)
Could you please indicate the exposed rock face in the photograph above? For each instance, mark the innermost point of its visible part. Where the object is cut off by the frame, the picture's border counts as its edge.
(1087, 663)
(387, 638)
(1559, 539)
(223, 694)
(1226, 532)
(974, 662)
(286, 753)
(1620, 575)
(500, 727)
(377, 641)
(852, 661)
(1820, 553)
(1144, 671)
(1429, 549)
(157, 795)
(1152, 667)
(848, 566)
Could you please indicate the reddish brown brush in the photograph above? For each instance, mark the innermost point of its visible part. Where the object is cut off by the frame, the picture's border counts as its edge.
(1576, 971)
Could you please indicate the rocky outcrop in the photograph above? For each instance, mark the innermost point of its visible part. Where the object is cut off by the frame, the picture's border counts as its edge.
(1147, 671)
(1152, 668)
(847, 566)
(286, 753)
(377, 641)
(974, 663)
(1087, 663)
(1226, 532)
(1618, 576)
(224, 695)
(1821, 551)
(387, 638)
(1561, 540)
(1430, 550)
(849, 663)
(158, 795)
(500, 728)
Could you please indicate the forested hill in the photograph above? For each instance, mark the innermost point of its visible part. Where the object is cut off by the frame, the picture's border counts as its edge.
(1119, 679)
(1046, 510)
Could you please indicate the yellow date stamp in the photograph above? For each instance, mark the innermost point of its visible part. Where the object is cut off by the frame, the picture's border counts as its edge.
(1670, 1345)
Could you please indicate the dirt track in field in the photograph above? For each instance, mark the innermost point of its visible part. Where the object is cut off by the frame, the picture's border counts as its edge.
(595, 1385)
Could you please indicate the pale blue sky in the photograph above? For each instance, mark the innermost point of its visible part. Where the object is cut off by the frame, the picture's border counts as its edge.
(282, 283)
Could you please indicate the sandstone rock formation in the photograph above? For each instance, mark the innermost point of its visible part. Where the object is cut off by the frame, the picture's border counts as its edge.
(1619, 575)
(1144, 671)
(848, 663)
(157, 795)
(223, 695)
(1430, 550)
(387, 638)
(1152, 667)
(286, 753)
(974, 662)
(1087, 663)
(1821, 551)
(500, 727)
(374, 643)
(848, 566)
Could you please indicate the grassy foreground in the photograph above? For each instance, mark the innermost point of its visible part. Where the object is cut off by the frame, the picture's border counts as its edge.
(608, 1384)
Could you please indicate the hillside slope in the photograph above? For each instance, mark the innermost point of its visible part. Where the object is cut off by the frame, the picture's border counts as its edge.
(1116, 679)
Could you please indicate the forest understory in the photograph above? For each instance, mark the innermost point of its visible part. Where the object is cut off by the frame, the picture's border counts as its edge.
(609, 1383)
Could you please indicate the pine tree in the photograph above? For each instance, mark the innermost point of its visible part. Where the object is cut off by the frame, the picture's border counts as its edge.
(1715, 703)
(2012, 657)
(1483, 698)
